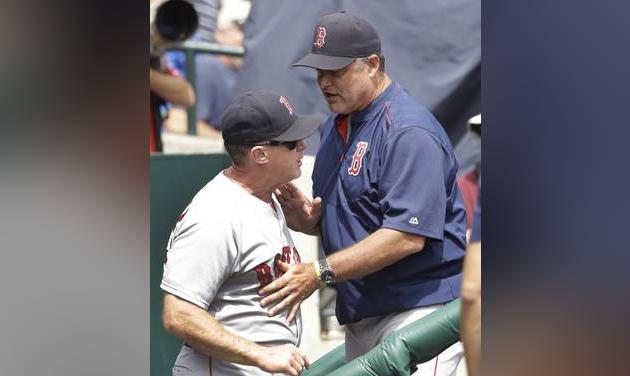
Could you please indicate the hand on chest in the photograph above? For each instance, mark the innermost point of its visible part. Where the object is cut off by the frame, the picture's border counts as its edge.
(268, 271)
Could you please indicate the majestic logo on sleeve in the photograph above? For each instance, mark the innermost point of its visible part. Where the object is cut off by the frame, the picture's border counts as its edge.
(320, 37)
(286, 104)
(357, 158)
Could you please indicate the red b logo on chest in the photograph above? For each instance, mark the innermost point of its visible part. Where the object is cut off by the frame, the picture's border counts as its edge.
(357, 158)
(320, 37)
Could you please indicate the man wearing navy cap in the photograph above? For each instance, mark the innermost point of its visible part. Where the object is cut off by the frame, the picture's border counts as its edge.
(226, 246)
(386, 204)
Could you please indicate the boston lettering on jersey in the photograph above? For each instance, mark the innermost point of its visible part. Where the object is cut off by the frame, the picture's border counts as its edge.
(263, 270)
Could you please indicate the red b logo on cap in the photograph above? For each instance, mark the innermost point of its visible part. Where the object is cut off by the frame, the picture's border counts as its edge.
(286, 104)
(320, 37)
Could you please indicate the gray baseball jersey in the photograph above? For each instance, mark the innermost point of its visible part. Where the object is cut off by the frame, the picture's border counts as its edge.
(223, 249)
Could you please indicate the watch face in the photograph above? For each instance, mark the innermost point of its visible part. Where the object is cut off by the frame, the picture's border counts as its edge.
(328, 277)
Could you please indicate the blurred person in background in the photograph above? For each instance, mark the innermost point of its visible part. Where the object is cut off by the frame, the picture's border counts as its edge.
(468, 153)
(215, 74)
(471, 283)
(165, 85)
(471, 297)
(207, 11)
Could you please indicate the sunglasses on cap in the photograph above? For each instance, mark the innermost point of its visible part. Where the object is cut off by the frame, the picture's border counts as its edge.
(289, 144)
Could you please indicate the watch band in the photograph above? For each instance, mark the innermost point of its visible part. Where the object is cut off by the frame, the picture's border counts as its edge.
(326, 275)
(318, 271)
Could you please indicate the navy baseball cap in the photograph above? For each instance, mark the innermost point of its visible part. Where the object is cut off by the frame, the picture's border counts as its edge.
(261, 116)
(339, 39)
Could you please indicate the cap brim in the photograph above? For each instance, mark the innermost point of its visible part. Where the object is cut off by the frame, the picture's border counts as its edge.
(301, 128)
(324, 62)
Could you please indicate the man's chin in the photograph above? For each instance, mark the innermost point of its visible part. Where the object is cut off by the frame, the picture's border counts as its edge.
(336, 109)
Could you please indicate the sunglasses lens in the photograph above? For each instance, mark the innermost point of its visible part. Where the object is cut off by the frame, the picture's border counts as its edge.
(288, 144)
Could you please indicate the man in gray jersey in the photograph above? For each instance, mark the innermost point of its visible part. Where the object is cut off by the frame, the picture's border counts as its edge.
(227, 244)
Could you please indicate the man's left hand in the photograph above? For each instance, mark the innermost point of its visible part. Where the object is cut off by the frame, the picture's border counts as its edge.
(298, 283)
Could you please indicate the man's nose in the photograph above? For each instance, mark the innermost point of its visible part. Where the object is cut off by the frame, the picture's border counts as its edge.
(323, 79)
(301, 145)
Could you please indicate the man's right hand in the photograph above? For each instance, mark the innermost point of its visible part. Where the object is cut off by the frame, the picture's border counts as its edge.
(286, 359)
(301, 213)
(203, 332)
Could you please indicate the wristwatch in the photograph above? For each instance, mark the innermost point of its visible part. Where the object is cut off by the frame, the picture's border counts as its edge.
(326, 275)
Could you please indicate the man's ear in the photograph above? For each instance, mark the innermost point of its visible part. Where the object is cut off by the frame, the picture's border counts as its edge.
(259, 154)
(373, 62)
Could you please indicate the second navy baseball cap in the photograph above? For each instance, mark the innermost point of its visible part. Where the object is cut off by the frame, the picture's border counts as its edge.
(339, 39)
(261, 116)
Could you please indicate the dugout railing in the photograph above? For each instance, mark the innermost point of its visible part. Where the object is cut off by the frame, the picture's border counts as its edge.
(418, 342)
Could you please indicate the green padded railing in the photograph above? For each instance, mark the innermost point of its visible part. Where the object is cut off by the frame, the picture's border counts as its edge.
(419, 342)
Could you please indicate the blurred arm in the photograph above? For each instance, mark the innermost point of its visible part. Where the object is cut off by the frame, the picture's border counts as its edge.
(173, 89)
(471, 309)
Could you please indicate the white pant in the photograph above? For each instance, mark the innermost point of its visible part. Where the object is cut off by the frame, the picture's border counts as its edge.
(362, 336)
